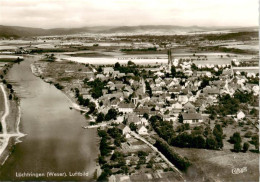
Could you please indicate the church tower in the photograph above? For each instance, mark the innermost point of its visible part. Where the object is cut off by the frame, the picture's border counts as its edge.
(169, 52)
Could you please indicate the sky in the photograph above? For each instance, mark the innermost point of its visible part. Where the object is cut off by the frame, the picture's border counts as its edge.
(79, 13)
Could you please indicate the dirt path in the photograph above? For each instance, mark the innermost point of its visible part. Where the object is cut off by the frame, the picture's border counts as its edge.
(5, 135)
(3, 122)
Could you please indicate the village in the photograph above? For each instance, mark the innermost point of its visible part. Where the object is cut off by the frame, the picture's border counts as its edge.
(186, 102)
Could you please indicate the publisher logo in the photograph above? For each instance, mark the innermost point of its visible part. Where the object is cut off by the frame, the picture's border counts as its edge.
(239, 170)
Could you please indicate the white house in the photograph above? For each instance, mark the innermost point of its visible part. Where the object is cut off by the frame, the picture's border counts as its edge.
(192, 118)
(240, 115)
(175, 62)
(142, 130)
(126, 130)
(256, 90)
(144, 121)
(177, 105)
(183, 99)
(108, 70)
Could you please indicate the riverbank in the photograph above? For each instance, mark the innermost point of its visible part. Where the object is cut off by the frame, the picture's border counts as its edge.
(10, 118)
(72, 100)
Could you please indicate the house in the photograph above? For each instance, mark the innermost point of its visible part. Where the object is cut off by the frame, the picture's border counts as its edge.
(240, 115)
(144, 122)
(183, 99)
(125, 129)
(119, 86)
(115, 73)
(141, 110)
(87, 96)
(169, 118)
(192, 118)
(108, 70)
(120, 75)
(188, 106)
(142, 130)
(133, 118)
(211, 90)
(126, 108)
(101, 76)
(203, 73)
(130, 74)
(114, 102)
(157, 90)
(175, 90)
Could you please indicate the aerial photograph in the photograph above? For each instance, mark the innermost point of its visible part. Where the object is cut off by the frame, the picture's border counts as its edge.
(129, 90)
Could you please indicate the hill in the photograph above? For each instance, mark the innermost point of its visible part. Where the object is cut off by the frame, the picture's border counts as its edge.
(17, 32)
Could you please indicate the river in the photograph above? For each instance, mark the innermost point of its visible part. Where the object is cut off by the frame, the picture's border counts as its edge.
(55, 141)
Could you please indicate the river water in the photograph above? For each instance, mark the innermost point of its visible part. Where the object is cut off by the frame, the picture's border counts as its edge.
(55, 141)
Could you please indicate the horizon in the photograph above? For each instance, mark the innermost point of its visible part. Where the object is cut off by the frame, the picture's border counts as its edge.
(117, 26)
(50, 14)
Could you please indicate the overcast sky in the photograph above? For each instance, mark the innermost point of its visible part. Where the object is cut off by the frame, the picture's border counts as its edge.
(78, 13)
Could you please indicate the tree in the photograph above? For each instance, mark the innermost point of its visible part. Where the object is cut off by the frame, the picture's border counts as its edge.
(194, 67)
(117, 65)
(207, 131)
(9, 86)
(237, 146)
(173, 96)
(101, 160)
(217, 129)
(146, 116)
(180, 162)
(186, 126)
(198, 142)
(92, 107)
(255, 141)
(111, 114)
(211, 142)
(96, 88)
(245, 146)
(236, 138)
(133, 126)
(99, 70)
(254, 112)
(218, 133)
(100, 117)
(117, 155)
(173, 71)
(180, 118)
(130, 63)
(125, 121)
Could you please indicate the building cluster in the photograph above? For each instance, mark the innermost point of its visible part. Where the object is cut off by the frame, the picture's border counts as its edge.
(170, 97)
(186, 94)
